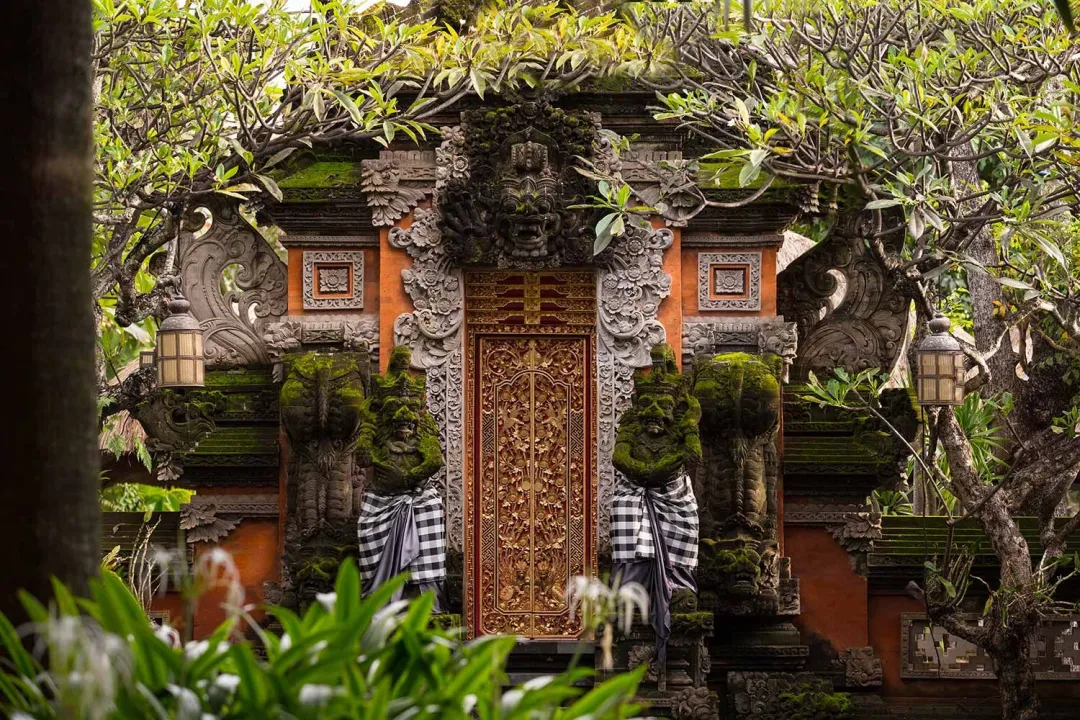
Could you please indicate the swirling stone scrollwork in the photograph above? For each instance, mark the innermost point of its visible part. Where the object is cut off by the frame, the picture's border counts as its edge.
(630, 287)
(849, 312)
(233, 320)
(389, 200)
(433, 333)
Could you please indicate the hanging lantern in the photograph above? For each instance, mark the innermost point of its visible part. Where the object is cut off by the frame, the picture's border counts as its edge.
(941, 365)
(180, 361)
(146, 358)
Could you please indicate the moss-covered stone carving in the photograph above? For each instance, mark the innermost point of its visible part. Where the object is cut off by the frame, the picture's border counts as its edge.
(402, 524)
(398, 436)
(658, 435)
(736, 484)
(322, 402)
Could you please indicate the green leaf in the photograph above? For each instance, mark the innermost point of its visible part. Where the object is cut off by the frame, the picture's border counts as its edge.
(278, 157)
(882, 204)
(270, 185)
(350, 107)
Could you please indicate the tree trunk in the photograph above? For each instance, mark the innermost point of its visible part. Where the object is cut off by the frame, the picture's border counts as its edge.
(1016, 678)
(49, 517)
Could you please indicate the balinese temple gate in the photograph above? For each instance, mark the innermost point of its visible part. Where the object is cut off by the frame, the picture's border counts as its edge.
(441, 337)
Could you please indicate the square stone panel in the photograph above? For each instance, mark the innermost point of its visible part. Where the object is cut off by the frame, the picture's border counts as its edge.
(333, 280)
(729, 281)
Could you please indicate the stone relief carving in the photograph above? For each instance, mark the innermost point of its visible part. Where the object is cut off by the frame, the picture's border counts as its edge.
(321, 409)
(858, 532)
(849, 314)
(210, 518)
(734, 274)
(202, 523)
(344, 276)
(862, 669)
(695, 703)
(630, 287)
(233, 320)
(767, 335)
(674, 191)
(388, 199)
(433, 333)
(514, 203)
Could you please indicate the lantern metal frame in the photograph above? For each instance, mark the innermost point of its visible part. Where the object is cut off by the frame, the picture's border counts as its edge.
(179, 352)
(941, 367)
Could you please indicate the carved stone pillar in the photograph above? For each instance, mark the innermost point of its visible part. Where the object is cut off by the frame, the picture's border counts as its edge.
(321, 410)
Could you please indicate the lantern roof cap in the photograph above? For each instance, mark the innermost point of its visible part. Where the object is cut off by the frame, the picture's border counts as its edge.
(180, 317)
(939, 339)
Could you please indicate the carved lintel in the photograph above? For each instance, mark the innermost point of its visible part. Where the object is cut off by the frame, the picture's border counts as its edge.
(388, 199)
(765, 335)
(862, 669)
(356, 334)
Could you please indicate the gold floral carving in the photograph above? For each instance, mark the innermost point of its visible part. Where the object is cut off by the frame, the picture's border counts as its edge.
(529, 470)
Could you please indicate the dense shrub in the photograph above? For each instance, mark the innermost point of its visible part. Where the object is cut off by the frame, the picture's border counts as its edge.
(345, 658)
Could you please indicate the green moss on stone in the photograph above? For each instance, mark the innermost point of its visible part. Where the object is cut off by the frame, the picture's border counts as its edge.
(810, 701)
(446, 621)
(691, 623)
(323, 174)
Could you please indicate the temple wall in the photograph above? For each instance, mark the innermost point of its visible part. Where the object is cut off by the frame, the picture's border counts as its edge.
(833, 596)
(254, 548)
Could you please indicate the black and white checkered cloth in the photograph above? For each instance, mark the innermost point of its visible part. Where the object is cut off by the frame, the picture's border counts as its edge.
(677, 514)
(381, 514)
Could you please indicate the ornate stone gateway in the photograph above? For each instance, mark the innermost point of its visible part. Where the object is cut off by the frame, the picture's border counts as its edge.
(530, 509)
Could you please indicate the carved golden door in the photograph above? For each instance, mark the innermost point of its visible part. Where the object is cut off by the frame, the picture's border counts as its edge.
(530, 512)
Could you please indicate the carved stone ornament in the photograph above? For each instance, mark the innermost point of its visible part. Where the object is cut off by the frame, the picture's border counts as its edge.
(321, 408)
(210, 518)
(174, 424)
(695, 703)
(233, 310)
(862, 669)
(674, 191)
(729, 281)
(358, 334)
(858, 532)
(848, 311)
(511, 204)
(630, 287)
(756, 695)
(333, 279)
(388, 199)
(432, 330)
(202, 523)
(766, 335)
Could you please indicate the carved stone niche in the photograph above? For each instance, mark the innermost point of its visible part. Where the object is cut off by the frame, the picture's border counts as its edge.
(321, 409)
(741, 570)
(511, 202)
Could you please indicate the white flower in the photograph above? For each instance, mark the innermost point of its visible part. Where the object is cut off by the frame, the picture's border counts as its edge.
(468, 703)
(286, 642)
(227, 681)
(195, 649)
(315, 695)
(538, 682)
(327, 600)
